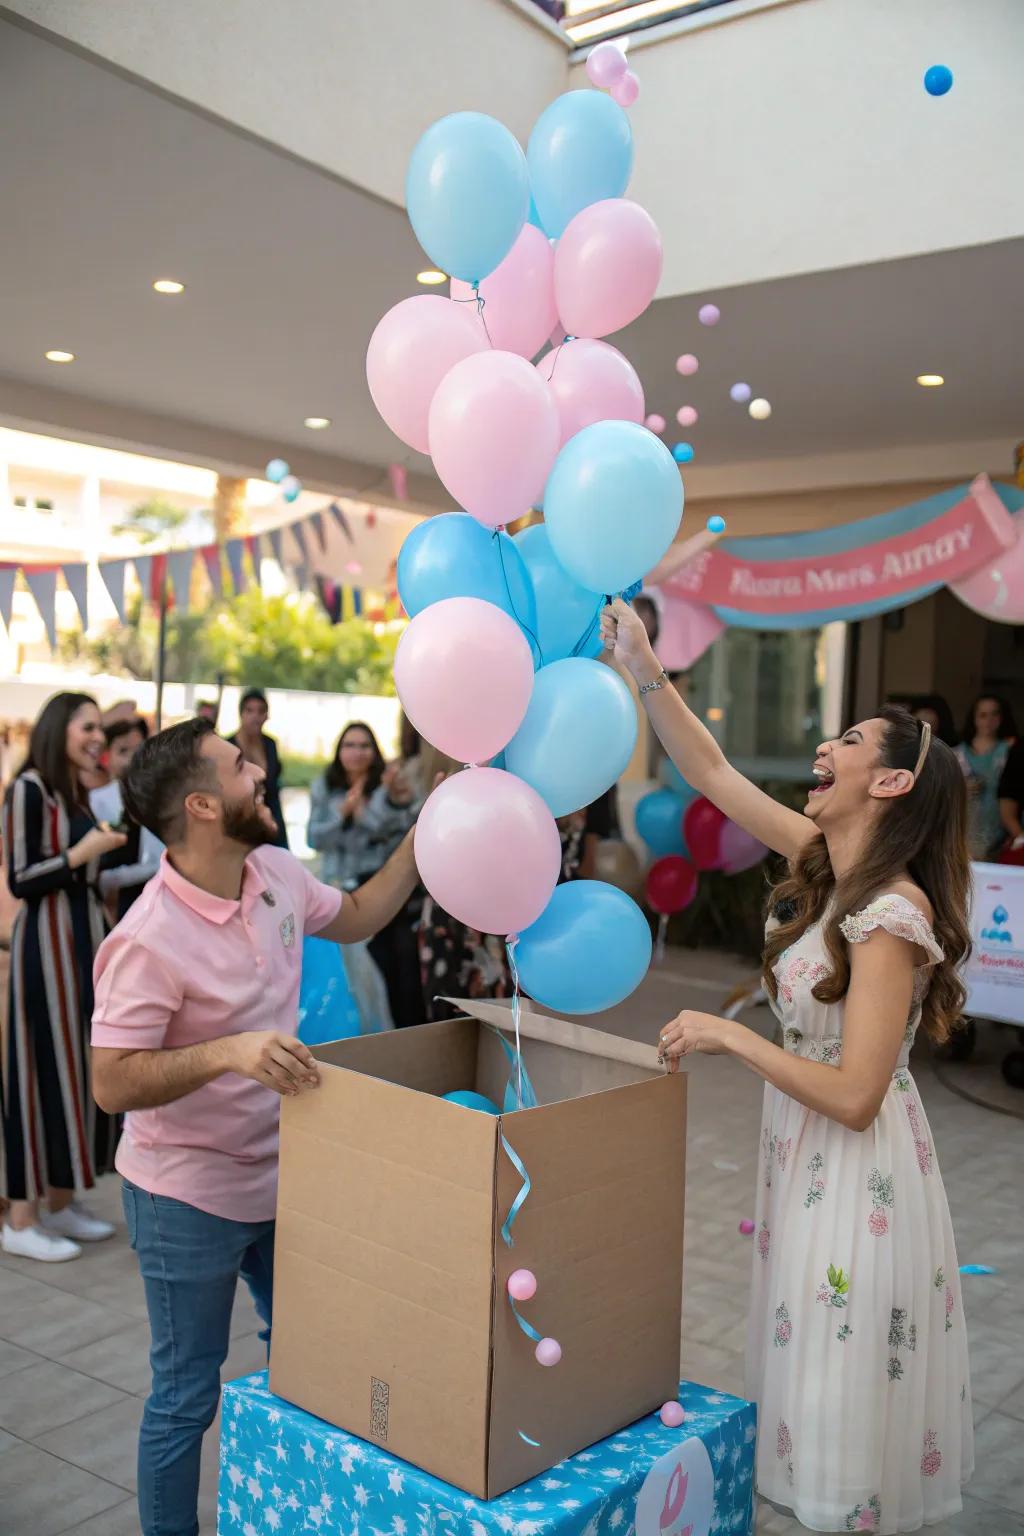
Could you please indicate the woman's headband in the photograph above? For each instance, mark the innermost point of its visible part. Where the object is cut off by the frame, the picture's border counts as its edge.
(926, 741)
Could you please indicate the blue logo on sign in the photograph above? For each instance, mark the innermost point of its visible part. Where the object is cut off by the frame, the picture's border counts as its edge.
(999, 933)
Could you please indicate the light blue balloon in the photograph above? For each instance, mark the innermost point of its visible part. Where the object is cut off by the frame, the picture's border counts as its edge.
(455, 556)
(533, 217)
(276, 471)
(470, 1100)
(612, 505)
(659, 821)
(580, 152)
(327, 1009)
(467, 192)
(291, 488)
(589, 949)
(577, 736)
(568, 616)
(672, 779)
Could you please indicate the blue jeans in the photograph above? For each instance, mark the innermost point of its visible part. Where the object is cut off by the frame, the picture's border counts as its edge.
(190, 1263)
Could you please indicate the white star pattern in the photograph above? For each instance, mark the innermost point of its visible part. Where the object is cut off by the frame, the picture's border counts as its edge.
(399, 1526)
(274, 1416)
(234, 1510)
(315, 1515)
(253, 1488)
(280, 1450)
(248, 1529)
(361, 1495)
(326, 1502)
(568, 1503)
(276, 1492)
(550, 1483)
(347, 1464)
(237, 1476)
(396, 1481)
(616, 1518)
(308, 1451)
(273, 1519)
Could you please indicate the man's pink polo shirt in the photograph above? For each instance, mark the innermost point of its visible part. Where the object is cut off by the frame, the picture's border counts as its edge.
(183, 967)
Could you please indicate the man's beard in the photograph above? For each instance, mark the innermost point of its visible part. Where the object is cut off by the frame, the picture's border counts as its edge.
(245, 825)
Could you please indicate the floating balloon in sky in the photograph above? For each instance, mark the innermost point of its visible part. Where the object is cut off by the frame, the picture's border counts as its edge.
(687, 416)
(655, 423)
(291, 488)
(760, 410)
(276, 471)
(741, 393)
(687, 364)
(682, 453)
(709, 314)
(716, 524)
(938, 80)
(605, 64)
(626, 90)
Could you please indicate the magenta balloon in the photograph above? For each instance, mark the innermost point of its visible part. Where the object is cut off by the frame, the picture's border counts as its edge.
(488, 850)
(605, 64)
(626, 90)
(607, 267)
(590, 382)
(519, 311)
(464, 674)
(738, 849)
(412, 349)
(996, 589)
(494, 435)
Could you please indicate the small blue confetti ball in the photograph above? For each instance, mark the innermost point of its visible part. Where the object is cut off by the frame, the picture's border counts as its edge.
(276, 471)
(682, 453)
(741, 393)
(291, 488)
(938, 80)
(716, 524)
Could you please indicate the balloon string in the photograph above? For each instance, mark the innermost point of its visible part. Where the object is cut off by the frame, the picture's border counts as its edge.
(584, 639)
(477, 298)
(508, 590)
(556, 353)
(510, 949)
(659, 948)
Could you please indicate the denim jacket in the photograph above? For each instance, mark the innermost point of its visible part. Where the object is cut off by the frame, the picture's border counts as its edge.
(355, 850)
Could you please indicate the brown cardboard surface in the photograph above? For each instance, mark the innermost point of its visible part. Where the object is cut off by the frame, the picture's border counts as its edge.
(391, 1268)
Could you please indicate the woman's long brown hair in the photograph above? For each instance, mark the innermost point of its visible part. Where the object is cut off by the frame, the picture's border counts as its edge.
(923, 834)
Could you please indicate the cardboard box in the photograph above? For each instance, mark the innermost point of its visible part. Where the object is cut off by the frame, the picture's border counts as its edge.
(391, 1318)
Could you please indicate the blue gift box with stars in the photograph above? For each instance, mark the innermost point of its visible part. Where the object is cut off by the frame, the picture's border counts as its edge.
(283, 1471)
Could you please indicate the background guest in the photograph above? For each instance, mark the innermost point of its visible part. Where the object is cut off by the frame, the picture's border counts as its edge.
(53, 850)
(988, 735)
(208, 709)
(261, 749)
(125, 872)
(933, 708)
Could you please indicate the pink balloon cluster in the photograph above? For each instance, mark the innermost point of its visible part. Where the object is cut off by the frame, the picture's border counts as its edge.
(608, 70)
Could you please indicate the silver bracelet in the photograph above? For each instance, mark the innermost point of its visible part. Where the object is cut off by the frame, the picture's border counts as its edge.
(659, 682)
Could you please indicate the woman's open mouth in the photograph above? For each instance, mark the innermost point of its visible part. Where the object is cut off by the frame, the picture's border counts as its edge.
(825, 777)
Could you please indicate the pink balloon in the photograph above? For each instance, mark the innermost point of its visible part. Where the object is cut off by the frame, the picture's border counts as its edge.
(464, 674)
(738, 849)
(746, 1226)
(626, 90)
(687, 415)
(605, 64)
(488, 850)
(411, 350)
(494, 435)
(548, 1352)
(522, 1285)
(709, 314)
(672, 1415)
(687, 364)
(519, 296)
(591, 381)
(996, 589)
(607, 267)
(655, 423)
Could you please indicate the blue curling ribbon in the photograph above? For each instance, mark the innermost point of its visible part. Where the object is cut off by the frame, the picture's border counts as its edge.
(976, 1269)
(527, 1327)
(534, 1443)
(631, 592)
(520, 1199)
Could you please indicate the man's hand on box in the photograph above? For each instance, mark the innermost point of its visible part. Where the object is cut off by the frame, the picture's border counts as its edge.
(277, 1061)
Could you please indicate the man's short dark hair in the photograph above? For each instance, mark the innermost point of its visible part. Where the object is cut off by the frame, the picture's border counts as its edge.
(253, 695)
(120, 728)
(165, 770)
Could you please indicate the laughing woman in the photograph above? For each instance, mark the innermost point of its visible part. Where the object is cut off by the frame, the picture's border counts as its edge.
(857, 1349)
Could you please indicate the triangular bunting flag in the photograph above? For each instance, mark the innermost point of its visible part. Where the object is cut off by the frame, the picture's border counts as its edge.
(42, 584)
(235, 549)
(179, 574)
(8, 576)
(341, 520)
(112, 572)
(76, 578)
(277, 544)
(252, 544)
(317, 522)
(144, 574)
(298, 533)
(211, 559)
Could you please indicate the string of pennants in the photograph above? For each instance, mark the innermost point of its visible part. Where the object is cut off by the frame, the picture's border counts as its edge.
(235, 565)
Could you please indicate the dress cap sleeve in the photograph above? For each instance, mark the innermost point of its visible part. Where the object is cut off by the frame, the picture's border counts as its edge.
(897, 916)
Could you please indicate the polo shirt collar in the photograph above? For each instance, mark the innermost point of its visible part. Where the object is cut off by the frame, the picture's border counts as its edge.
(216, 909)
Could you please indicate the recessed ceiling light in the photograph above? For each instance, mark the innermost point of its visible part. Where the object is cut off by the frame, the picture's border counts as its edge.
(317, 423)
(431, 277)
(930, 380)
(57, 356)
(168, 285)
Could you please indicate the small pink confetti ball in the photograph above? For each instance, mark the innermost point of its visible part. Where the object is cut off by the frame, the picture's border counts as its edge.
(672, 1415)
(655, 423)
(746, 1227)
(548, 1352)
(626, 90)
(709, 314)
(687, 415)
(522, 1285)
(687, 364)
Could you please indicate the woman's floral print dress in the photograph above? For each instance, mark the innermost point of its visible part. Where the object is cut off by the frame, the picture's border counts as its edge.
(857, 1351)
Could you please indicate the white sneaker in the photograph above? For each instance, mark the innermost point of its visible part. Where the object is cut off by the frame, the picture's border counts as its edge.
(75, 1222)
(34, 1243)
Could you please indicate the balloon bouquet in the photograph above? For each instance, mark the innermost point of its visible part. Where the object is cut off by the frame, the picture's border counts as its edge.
(498, 657)
(687, 836)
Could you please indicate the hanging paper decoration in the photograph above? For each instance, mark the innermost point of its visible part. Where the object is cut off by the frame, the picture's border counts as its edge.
(255, 548)
(235, 549)
(276, 538)
(8, 576)
(144, 575)
(112, 572)
(341, 520)
(179, 574)
(76, 579)
(316, 521)
(211, 559)
(42, 583)
(298, 533)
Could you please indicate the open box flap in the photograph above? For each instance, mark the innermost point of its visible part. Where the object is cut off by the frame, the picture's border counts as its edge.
(573, 1037)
